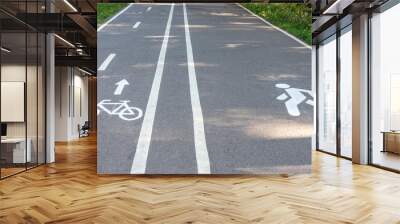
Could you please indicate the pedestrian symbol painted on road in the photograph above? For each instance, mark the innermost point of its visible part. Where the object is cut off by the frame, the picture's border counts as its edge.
(293, 97)
(121, 108)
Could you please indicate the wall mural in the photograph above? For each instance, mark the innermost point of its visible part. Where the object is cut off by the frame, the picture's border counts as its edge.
(184, 89)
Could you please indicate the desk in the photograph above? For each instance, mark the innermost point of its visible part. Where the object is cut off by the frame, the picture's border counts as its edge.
(18, 149)
(391, 141)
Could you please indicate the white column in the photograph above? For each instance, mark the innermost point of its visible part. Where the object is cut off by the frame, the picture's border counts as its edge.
(50, 100)
(50, 92)
(360, 90)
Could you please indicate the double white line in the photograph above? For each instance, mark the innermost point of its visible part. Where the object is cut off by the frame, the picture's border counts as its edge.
(142, 148)
(203, 162)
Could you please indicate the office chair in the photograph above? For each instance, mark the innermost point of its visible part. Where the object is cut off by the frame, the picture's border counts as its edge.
(84, 130)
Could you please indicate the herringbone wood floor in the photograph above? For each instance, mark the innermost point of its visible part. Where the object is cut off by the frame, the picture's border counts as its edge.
(70, 191)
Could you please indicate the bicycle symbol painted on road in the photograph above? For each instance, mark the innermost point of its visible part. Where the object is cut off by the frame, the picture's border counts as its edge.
(121, 109)
(293, 97)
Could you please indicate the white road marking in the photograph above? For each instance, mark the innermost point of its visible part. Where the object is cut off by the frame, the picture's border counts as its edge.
(120, 86)
(275, 27)
(143, 145)
(203, 161)
(137, 24)
(293, 97)
(114, 17)
(148, 9)
(121, 108)
(106, 62)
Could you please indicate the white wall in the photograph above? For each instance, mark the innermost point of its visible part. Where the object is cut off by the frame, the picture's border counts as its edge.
(33, 125)
(17, 73)
(62, 81)
(11, 73)
(70, 84)
(79, 117)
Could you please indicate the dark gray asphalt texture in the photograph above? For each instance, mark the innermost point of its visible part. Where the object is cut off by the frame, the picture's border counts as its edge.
(238, 61)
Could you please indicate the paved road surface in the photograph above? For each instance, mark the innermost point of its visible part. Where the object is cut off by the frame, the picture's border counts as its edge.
(205, 78)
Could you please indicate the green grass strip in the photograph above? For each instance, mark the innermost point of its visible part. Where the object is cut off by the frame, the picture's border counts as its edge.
(107, 10)
(292, 17)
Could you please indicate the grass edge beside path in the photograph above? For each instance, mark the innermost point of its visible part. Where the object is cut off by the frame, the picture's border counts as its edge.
(294, 18)
(107, 10)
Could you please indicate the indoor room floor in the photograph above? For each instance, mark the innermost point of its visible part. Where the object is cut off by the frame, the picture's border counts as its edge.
(70, 191)
(387, 159)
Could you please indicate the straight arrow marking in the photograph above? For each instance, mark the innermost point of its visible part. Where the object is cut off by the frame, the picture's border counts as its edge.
(120, 86)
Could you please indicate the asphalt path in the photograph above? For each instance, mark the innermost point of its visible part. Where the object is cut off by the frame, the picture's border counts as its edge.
(202, 81)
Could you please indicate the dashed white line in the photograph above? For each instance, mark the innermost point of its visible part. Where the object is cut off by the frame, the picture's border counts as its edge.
(112, 18)
(137, 24)
(148, 9)
(143, 145)
(106, 62)
(202, 158)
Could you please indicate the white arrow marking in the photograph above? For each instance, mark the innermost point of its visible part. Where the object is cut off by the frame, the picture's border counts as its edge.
(148, 9)
(120, 86)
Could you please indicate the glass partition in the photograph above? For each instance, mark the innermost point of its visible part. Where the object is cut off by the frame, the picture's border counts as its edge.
(327, 95)
(346, 92)
(13, 114)
(22, 101)
(385, 89)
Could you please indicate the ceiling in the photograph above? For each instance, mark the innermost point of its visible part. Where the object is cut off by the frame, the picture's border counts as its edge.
(335, 14)
(73, 22)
